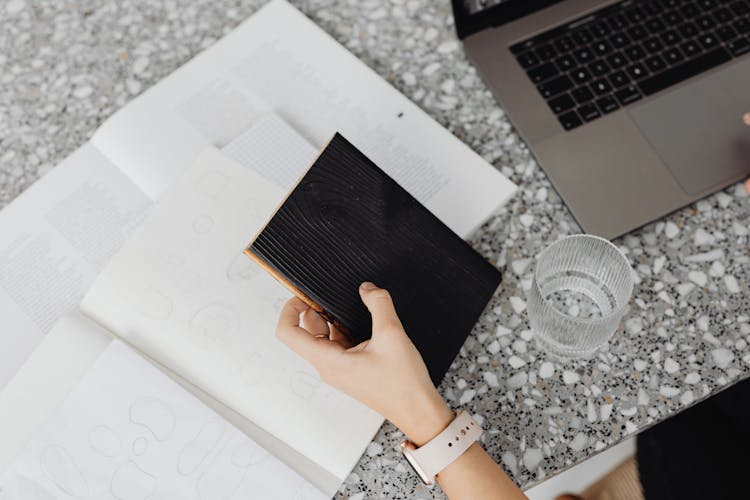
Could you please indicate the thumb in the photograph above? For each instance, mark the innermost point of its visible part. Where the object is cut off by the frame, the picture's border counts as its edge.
(380, 305)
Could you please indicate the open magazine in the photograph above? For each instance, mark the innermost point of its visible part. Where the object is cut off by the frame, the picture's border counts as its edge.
(58, 235)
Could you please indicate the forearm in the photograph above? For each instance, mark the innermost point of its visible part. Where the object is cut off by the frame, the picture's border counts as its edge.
(475, 476)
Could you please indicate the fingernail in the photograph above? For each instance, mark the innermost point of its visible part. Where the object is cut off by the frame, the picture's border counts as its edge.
(368, 286)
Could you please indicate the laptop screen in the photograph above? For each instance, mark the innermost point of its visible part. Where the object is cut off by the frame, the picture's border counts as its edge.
(475, 15)
(474, 6)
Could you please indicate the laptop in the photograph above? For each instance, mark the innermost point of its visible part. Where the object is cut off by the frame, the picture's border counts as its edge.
(632, 108)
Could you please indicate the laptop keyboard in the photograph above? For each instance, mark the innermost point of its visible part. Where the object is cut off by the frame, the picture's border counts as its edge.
(617, 55)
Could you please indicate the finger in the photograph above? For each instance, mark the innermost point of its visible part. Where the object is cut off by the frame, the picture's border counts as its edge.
(313, 349)
(747, 186)
(380, 305)
(340, 338)
(314, 324)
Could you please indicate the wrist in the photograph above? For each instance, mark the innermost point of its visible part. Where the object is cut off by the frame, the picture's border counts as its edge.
(427, 418)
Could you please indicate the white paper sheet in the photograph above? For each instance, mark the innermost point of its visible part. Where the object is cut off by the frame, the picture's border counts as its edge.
(129, 432)
(278, 60)
(49, 374)
(182, 292)
(54, 239)
(282, 165)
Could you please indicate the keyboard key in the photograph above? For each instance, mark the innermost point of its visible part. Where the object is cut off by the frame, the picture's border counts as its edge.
(705, 23)
(619, 78)
(582, 94)
(652, 8)
(637, 32)
(570, 120)
(740, 8)
(690, 48)
(619, 40)
(708, 41)
(589, 112)
(739, 47)
(561, 103)
(618, 22)
(607, 105)
(688, 30)
(672, 18)
(742, 26)
(627, 95)
(635, 53)
(555, 86)
(600, 30)
(617, 60)
(599, 68)
(690, 11)
(684, 71)
(637, 71)
(670, 37)
(583, 55)
(543, 72)
(655, 64)
(564, 44)
(527, 59)
(635, 15)
(580, 76)
(582, 38)
(602, 48)
(601, 87)
(546, 52)
(566, 63)
(522, 47)
(723, 15)
(653, 45)
(726, 33)
(672, 56)
(655, 26)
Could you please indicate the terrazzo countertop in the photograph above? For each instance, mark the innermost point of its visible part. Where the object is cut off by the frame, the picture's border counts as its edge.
(66, 66)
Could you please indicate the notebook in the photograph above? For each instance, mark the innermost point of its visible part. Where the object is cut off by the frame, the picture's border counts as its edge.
(346, 221)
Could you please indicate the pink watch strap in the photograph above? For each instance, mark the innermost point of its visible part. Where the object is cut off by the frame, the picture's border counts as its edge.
(447, 446)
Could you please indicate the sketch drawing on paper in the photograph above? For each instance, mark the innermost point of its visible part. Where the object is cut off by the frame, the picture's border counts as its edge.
(130, 482)
(105, 441)
(203, 224)
(241, 268)
(58, 465)
(214, 325)
(196, 451)
(128, 432)
(140, 446)
(155, 416)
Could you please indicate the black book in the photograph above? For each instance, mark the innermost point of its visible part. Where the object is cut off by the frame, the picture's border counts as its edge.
(346, 221)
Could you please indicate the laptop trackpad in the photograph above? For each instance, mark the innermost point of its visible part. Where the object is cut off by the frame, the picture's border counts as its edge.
(698, 129)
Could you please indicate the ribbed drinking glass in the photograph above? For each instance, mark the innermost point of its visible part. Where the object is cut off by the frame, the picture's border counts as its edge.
(582, 285)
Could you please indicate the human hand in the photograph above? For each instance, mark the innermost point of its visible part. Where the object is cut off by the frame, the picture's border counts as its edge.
(747, 186)
(386, 372)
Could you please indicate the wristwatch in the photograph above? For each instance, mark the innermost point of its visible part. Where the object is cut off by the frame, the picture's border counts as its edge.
(428, 460)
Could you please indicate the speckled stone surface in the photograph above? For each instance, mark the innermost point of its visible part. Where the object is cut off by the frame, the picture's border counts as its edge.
(65, 66)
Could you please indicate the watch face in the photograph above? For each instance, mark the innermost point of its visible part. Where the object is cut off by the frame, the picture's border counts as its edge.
(429, 482)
